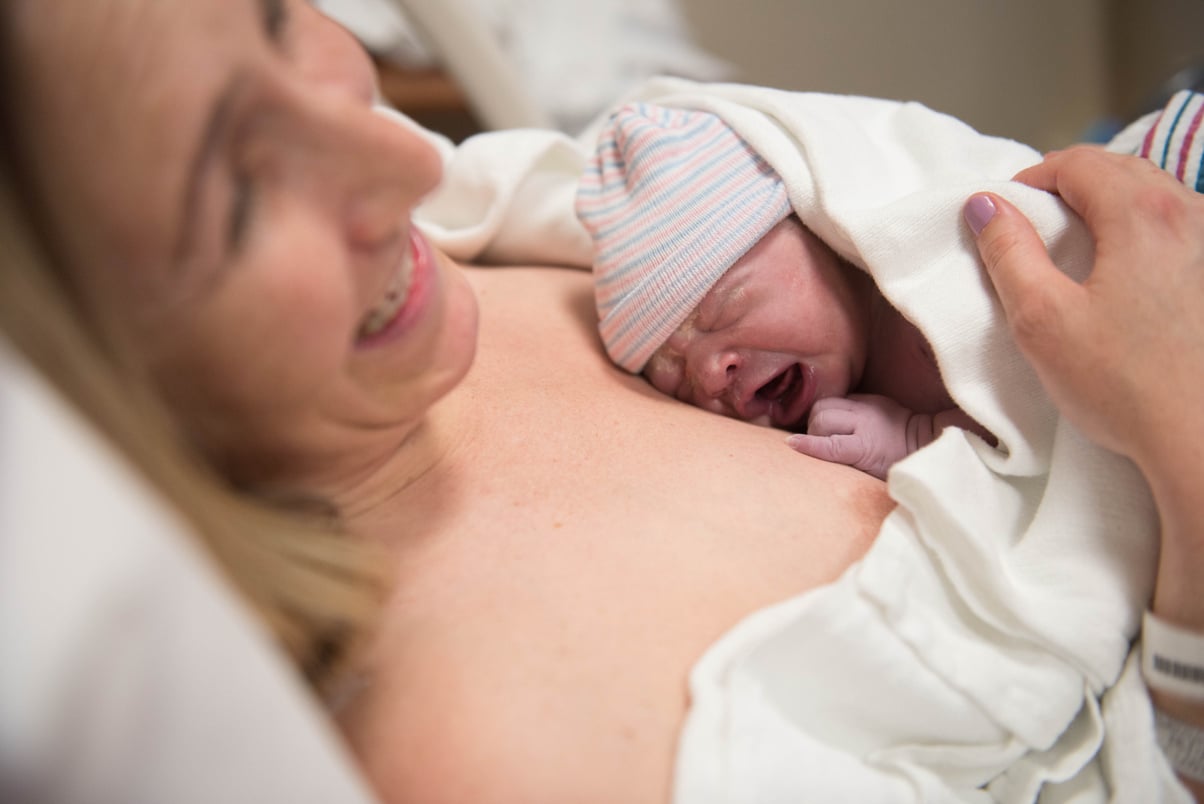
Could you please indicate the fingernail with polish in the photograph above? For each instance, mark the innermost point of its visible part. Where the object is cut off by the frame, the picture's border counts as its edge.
(978, 212)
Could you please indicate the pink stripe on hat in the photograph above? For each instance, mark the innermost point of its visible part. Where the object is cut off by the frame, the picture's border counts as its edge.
(672, 199)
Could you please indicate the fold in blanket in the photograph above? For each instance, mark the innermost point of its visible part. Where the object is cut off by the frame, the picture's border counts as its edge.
(981, 649)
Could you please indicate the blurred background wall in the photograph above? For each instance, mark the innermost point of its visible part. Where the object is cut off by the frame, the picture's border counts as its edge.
(1151, 39)
(1046, 72)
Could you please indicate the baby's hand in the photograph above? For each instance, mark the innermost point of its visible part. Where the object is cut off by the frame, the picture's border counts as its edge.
(865, 431)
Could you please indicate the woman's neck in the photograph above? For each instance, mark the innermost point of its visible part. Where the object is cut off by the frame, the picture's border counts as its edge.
(399, 476)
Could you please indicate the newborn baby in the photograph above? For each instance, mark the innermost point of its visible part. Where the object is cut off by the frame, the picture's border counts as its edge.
(708, 284)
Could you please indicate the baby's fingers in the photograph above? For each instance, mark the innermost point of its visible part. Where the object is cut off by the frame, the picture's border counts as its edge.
(846, 449)
(832, 416)
(851, 450)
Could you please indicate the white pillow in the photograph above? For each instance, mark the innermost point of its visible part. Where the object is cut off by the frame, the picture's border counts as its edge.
(129, 671)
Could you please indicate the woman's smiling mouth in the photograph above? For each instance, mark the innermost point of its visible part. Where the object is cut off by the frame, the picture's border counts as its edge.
(396, 293)
(404, 298)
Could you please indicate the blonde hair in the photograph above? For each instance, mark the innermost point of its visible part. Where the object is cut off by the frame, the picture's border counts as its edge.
(314, 587)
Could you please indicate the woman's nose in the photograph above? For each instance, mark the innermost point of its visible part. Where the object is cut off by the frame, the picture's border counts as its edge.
(329, 56)
(370, 169)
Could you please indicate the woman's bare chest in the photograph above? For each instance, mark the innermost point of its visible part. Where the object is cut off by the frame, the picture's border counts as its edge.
(586, 543)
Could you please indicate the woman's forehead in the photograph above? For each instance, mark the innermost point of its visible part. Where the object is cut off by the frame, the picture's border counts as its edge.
(93, 34)
(110, 72)
(117, 96)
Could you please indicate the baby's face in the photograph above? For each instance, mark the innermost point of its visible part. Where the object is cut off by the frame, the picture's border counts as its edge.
(786, 325)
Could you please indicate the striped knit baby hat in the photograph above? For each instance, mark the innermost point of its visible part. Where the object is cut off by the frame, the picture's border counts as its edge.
(672, 198)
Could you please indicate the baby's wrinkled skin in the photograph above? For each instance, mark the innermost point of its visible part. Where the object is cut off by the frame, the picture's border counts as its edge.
(794, 337)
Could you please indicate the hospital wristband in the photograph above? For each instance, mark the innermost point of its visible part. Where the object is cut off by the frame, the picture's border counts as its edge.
(1172, 658)
(1182, 744)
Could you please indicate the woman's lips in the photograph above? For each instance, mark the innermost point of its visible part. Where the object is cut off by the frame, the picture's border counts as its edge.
(418, 291)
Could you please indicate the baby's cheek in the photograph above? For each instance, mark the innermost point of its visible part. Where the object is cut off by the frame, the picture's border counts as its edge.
(720, 407)
(664, 373)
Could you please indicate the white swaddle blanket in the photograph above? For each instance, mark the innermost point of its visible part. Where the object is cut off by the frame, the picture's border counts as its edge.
(981, 649)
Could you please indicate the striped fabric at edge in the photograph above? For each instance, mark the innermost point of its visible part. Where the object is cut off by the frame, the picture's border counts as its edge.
(1174, 141)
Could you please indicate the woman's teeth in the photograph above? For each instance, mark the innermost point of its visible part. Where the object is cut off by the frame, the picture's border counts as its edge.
(395, 296)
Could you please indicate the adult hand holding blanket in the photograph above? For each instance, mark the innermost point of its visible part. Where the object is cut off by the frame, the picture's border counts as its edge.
(981, 649)
(1135, 327)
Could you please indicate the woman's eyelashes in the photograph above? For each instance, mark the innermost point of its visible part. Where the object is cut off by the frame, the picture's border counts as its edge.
(275, 18)
(241, 208)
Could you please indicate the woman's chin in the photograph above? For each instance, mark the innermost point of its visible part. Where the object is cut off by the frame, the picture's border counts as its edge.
(399, 381)
(461, 321)
(456, 348)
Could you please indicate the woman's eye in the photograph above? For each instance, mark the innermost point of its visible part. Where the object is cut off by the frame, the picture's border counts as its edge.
(275, 18)
(241, 205)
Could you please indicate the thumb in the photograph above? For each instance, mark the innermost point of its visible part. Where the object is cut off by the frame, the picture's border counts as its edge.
(1035, 295)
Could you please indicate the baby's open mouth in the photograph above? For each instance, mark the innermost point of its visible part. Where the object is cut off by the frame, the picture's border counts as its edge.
(781, 386)
(784, 392)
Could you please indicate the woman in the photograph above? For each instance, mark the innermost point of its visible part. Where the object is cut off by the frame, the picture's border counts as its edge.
(240, 239)
(246, 196)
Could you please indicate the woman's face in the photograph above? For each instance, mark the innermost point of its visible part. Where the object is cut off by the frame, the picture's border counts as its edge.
(785, 326)
(228, 202)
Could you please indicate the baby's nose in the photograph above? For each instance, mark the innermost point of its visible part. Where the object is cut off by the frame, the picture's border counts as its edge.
(717, 372)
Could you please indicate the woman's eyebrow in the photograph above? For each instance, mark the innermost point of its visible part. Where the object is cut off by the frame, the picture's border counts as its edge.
(216, 125)
(275, 15)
